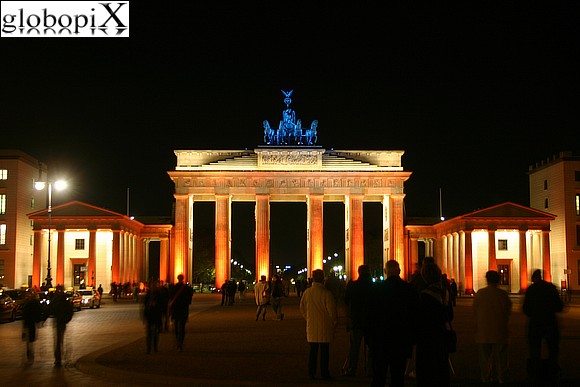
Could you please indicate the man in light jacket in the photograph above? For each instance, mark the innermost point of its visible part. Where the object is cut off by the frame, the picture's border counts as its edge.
(318, 307)
(492, 308)
(262, 296)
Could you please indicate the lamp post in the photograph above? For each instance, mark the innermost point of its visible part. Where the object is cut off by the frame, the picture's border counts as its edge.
(40, 185)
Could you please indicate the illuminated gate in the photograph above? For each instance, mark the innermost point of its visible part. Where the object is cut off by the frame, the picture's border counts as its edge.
(308, 174)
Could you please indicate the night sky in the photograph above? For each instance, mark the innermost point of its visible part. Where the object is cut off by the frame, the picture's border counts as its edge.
(473, 93)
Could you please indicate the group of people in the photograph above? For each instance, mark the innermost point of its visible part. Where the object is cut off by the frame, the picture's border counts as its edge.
(408, 326)
(33, 314)
(492, 308)
(270, 292)
(394, 318)
(162, 303)
(229, 289)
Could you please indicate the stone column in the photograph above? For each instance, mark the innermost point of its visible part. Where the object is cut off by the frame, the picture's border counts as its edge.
(36, 258)
(546, 267)
(357, 242)
(222, 238)
(115, 275)
(386, 202)
(444, 253)
(262, 214)
(523, 262)
(60, 259)
(397, 230)
(92, 267)
(315, 231)
(468, 263)
(163, 259)
(182, 244)
(492, 261)
(413, 255)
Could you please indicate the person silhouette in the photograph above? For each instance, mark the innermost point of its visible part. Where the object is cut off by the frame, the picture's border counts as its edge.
(357, 298)
(541, 303)
(492, 308)
(392, 317)
(181, 294)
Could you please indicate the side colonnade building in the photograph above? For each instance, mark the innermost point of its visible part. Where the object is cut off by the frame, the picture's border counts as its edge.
(509, 238)
(92, 246)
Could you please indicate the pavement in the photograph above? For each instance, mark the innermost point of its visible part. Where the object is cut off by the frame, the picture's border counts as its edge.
(225, 346)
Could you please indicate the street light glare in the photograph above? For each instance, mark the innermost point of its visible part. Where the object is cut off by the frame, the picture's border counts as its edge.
(39, 185)
(60, 184)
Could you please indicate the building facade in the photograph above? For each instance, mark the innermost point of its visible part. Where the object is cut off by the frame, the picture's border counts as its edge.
(18, 173)
(555, 188)
(509, 238)
(92, 246)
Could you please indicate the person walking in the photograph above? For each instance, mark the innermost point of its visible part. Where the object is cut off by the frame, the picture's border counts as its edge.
(181, 294)
(541, 303)
(277, 294)
(318, 308)
(262, 297)
(357, 298)
(391, 328)
(492, 308)
(62, 310)
(433, 317)
(241, 290)
(152, 314)
(31, 315)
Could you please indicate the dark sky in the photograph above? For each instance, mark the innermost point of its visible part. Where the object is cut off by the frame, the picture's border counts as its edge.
(473, 93)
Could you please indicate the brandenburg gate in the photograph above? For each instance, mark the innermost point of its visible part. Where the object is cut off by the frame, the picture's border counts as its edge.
(289, 167)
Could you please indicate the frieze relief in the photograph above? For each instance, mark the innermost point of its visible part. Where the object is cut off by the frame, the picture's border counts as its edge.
(284, 182)
(289, 159)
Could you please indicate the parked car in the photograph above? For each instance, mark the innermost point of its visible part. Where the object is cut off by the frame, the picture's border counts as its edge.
(19, 296)
(7, 307)
(91, 298)
(75, 298)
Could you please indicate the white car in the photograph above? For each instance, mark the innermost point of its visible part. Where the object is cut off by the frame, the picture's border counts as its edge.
(91, 298)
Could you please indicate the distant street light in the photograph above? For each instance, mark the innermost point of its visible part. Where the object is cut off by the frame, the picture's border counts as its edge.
(39, 186)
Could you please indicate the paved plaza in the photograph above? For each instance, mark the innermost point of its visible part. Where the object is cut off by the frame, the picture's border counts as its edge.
(225, 346)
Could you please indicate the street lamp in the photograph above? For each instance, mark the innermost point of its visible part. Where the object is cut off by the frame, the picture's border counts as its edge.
(39, 186)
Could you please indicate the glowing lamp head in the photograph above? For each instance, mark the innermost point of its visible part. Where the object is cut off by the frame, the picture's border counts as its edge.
(39, 185)
(60, 184)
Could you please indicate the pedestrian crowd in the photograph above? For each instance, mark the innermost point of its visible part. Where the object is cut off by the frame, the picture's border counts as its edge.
(404, 328)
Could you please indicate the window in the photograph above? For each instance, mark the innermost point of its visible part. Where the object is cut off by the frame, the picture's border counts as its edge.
(577, 204)
(2, 234)
(502, 244)
(577, 175)
(577, 236)
(4, 174)
(79, 244)
(2, 204)
(546, 203)
(545, 185)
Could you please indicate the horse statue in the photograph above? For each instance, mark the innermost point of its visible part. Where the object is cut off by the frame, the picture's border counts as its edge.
(297, 134)
(311, 135)
(269, 133)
